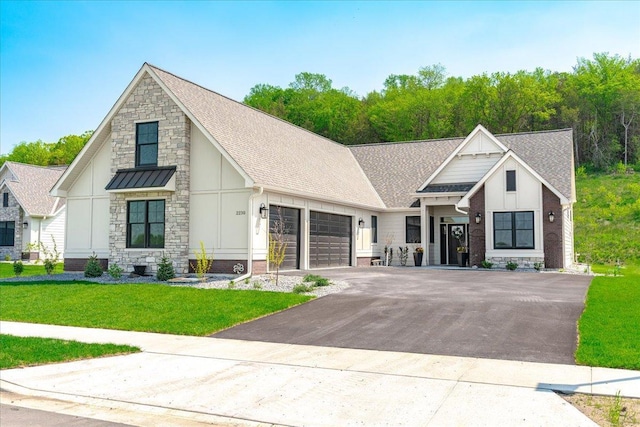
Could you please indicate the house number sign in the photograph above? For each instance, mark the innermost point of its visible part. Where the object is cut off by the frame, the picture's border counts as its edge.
(241, 212)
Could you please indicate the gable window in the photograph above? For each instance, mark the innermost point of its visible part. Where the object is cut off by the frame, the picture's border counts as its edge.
(147, 144)
(413, 229)
(511, 180)
(374, 229)
(513, 230)
(7, 233)
(5, 200)
(145, 224)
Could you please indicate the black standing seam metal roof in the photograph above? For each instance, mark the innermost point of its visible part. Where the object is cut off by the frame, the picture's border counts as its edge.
(448, 188)
(141, 178)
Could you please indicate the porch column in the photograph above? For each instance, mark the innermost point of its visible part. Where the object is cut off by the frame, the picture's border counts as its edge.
(424, 231)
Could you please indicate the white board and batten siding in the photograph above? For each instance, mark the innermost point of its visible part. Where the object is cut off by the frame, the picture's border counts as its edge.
(87, 219)
(567, 234)
(219, 202)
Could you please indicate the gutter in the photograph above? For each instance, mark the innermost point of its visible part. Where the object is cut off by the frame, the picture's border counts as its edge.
(250, 237)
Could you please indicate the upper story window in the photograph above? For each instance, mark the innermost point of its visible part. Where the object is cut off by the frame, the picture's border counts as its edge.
(147, 144)
(413, 229)
(374, 229)
(511, 180)
(5, 200)
(513, 230)
(7, 233)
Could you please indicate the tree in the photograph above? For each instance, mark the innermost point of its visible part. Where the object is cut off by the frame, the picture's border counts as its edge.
(47, 154)
(277, 242)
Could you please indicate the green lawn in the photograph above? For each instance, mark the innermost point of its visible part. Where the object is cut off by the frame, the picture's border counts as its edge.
(6, 269)
(139, 307)
(609, 328)
(30, 351)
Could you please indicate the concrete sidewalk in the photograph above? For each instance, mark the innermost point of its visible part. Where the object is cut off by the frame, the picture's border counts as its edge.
(179, 380)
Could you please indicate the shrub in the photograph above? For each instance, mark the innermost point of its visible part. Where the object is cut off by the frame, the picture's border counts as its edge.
(93, 267)
(203, 262)
(511, 266)
(165, 269)
(7, 257)
(311, 278)
(18, 267)
(232, 284)
(486, 264)
(247, 281)
(115, 271)
(538, 266)
(322, 282)
(257, 285)
(301, 289)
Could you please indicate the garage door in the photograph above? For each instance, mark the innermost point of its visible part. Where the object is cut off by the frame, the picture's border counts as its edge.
(329, 240)
(291, 219)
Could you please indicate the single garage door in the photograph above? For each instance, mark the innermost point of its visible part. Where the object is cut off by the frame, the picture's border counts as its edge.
(329, 240)
(291, 220)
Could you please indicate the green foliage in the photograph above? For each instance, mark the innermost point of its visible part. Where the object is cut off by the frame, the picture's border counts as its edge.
(18, 267)
(203, 261)
(247, 281)
(607, 218)
(232, 284)
(511, 266)
(311, 278)
(301, 288)
(115, 271)
(277, 243)
(608, 328)
(7, 257)
(316, 280)
(48, 154)
(19, 352)
(257, 285)
(538, 266)
(165, 269)
(6, 269)
(140, 307)
(93, 268)
(486, 264)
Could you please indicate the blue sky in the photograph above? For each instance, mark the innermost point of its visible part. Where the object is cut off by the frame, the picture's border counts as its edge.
(64, 64)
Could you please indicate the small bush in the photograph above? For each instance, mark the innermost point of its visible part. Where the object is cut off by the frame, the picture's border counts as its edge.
(18, 267)
(311, 278)
(247, 281)
(486, 264)
(511, 266)
(7, 257)
(257, 285)
(232, 284)
(301, 289)
(115, 271)
(93, 267)
(203, 262)
(165, 269)
(322, 282)
(538, 266)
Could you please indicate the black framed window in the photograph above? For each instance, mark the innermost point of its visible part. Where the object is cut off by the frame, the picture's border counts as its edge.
(5, 200)
(7, 233)
(513, 230)
(511, 180)
(432, 229)
(145, 224)
(413, 229)
(374, 229)
(147, 144)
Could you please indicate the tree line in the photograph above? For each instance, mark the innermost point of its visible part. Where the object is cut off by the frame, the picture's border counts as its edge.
(599, 100)
(42, 153)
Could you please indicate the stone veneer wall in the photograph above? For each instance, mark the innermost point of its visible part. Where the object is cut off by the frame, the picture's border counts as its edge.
(15, 213)
(552, 231)
(477, 239)
(147, 103)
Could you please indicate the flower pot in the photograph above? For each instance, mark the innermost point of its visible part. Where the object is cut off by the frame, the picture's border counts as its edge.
(463, 257)
(417, 258)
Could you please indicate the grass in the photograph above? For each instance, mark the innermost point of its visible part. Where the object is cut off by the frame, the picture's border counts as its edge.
(18, 352)
(139, 307)
(608, 328)
(6, 269)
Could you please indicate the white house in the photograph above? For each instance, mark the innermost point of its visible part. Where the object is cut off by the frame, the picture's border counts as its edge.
(173, 164)
(29, 214)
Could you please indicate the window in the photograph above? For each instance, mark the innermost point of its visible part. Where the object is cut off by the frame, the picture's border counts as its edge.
(5, 200)
(432, 229)
(147, 144)
(374, 229)
(145, 224)
(511, 180)
(513, 230)
(413, 229)
(7, 233)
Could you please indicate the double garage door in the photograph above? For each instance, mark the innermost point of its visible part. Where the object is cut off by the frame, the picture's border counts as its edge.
(330, 238)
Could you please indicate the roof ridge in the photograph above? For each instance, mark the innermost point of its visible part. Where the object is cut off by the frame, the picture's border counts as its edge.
(419, 141)
(533, 131)
(48, 167)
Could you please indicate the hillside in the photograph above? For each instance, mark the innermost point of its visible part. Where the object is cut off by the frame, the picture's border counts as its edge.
(607, 218)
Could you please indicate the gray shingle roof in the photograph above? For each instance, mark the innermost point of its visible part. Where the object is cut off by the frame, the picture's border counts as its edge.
(275, 153)
(398, 169)
(31, 185)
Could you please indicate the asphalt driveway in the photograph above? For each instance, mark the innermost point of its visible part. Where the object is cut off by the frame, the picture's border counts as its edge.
(488, 314)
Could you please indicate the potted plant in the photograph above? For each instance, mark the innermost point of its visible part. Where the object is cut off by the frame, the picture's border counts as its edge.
(461, 249)
(404, 254)
(418, 253)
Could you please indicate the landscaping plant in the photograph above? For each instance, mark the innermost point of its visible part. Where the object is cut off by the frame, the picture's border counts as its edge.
(277, 243)
(511, 266)
(115, 271)
(203, 262)
(18, 267)
(165, 269)
(93, 267)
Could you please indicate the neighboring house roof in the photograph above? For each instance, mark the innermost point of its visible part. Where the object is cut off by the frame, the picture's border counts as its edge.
(30, 186)
(398, 169)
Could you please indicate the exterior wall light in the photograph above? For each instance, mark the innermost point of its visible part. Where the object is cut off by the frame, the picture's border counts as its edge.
(264, 212)
(360, 223)
(25, 225)
(478, 217)
(552, 217)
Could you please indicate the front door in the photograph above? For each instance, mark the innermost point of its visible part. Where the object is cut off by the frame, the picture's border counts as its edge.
(449, 242)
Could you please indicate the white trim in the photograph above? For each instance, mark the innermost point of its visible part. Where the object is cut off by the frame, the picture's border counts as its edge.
(459, 148)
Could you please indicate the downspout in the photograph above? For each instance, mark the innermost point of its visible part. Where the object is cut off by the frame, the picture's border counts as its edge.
(250, 238)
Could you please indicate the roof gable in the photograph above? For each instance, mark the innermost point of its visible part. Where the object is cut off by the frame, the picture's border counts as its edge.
(30, 185)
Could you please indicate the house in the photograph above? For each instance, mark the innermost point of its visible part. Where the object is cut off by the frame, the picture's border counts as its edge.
(29, 214)
(174, 164)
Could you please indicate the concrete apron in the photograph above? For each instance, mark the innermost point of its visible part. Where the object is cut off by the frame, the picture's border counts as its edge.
(189, 380)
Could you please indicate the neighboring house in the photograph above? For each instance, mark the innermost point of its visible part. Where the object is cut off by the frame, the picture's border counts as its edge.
(174, 164)
(29, 214)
